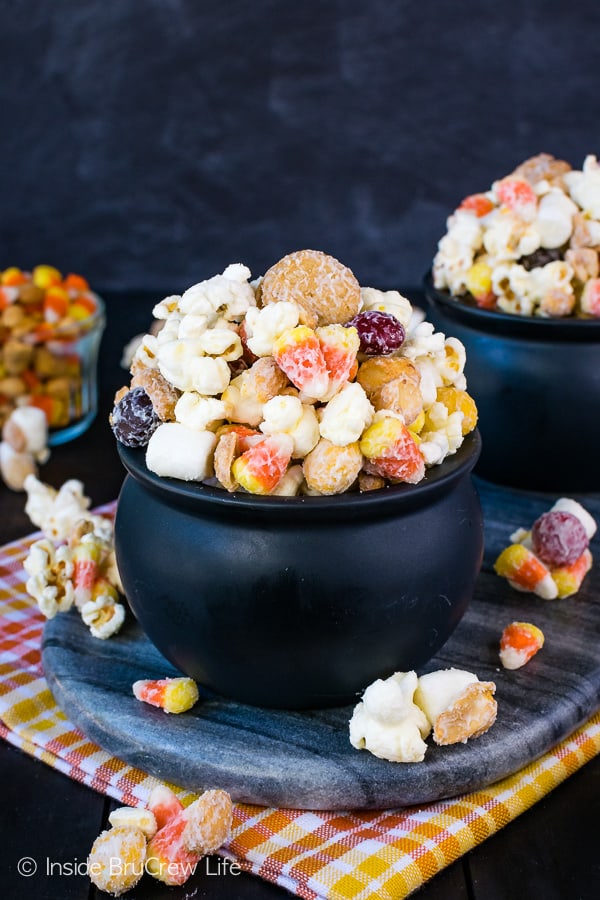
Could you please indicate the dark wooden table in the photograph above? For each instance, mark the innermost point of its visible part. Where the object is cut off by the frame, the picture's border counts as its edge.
(550, 852)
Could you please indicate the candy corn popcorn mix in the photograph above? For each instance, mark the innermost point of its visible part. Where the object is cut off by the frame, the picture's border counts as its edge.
(74, 563)
(553, 557)
(398, 713)
(164, 840)
(43, 314)
(299, 382)
(530, 245)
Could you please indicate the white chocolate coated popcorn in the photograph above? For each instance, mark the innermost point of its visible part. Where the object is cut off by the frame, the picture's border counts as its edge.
(103, 616)
(288, 415)
(388, 723)
(346, 415)
(264, 326)
(389, 302)
(584, 187)
(199, 413)
(55, 512)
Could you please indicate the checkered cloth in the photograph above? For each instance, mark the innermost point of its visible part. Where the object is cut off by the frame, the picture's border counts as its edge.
(335, 855)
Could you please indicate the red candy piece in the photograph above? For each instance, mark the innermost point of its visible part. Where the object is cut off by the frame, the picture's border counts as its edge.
(558, 538)
(477, 203)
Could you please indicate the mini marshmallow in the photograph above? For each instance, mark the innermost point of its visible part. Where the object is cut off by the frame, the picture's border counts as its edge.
(175, 451)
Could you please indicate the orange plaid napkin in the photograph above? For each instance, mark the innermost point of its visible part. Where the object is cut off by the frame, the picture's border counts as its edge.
(364, 855)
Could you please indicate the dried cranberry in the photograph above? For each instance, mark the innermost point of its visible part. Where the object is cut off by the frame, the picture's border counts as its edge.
(133, 419)
(380, 333)
(558, 538)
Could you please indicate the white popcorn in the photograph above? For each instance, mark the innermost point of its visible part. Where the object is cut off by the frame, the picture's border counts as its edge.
(431, 379)
(509, 237)
(584, 187)
(221, 342)
(166, 307)
(103, 616)
(192, 327)
(175, 451)
(554, 221)
(446, 431)
(387, 722)
(434, 448)
(55, 512)
(391, 302)
(288, 415)
(346, 415)
(229, 293)
(50, 570)
(174, 359)
(199, 413)
(239, 406)
(146, 351)
(264, 326)
(32, 427)
(423, 341)
(451, 363)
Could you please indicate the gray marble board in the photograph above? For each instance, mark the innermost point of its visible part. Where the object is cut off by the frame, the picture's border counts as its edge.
(304, 759)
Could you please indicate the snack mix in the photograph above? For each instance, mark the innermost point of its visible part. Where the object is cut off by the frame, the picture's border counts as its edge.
(552, 559)
(298, 382)
(165, 840)
(530, 245)
(395, 715)
(74, 563)
(42, 314)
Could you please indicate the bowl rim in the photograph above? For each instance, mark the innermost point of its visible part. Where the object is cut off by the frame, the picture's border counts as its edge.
(438, 479)
(511, 324)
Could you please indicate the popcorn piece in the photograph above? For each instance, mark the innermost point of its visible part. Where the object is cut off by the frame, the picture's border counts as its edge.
(50, 570)
(332, 469)
(259, 469)
(391, 450)
(388, 723)
(102, 614)
(199, 413)
(525, 572)
(457, 705)
(519, 642)
(568, 579)
(346, 415)
(288, 415)
(129, 817)
(175, 451)
(55, 512)
(228, 294)
(298, 353)
(174, 695)
(117, 860)
(264, 326)
(391, 302)
(584, 187)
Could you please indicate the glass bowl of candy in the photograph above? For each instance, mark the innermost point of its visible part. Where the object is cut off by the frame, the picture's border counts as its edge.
(298, 517)
(51, 328)
(516, 278)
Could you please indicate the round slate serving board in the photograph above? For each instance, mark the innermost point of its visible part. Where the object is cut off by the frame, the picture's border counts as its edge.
(304, 759)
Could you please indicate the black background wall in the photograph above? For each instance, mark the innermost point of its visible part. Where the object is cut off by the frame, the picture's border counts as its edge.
(148, 143)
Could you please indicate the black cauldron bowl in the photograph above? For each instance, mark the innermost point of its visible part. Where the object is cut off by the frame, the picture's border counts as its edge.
(299, 602)
(536, 382)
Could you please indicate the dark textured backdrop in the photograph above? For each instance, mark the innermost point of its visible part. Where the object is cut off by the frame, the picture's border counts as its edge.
(149, 143)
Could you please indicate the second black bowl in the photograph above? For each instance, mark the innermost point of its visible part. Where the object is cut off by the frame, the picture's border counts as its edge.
(536, 382)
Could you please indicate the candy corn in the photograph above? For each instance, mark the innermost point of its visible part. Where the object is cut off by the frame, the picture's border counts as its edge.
(478, 204)
(568, 579)
(261, 467)
(525, 572)
(478, 282)
(339, 346)
(86, 560)
(392, 451)
(519, 642)
(174, 695)
(298, 353)
(164, 805)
